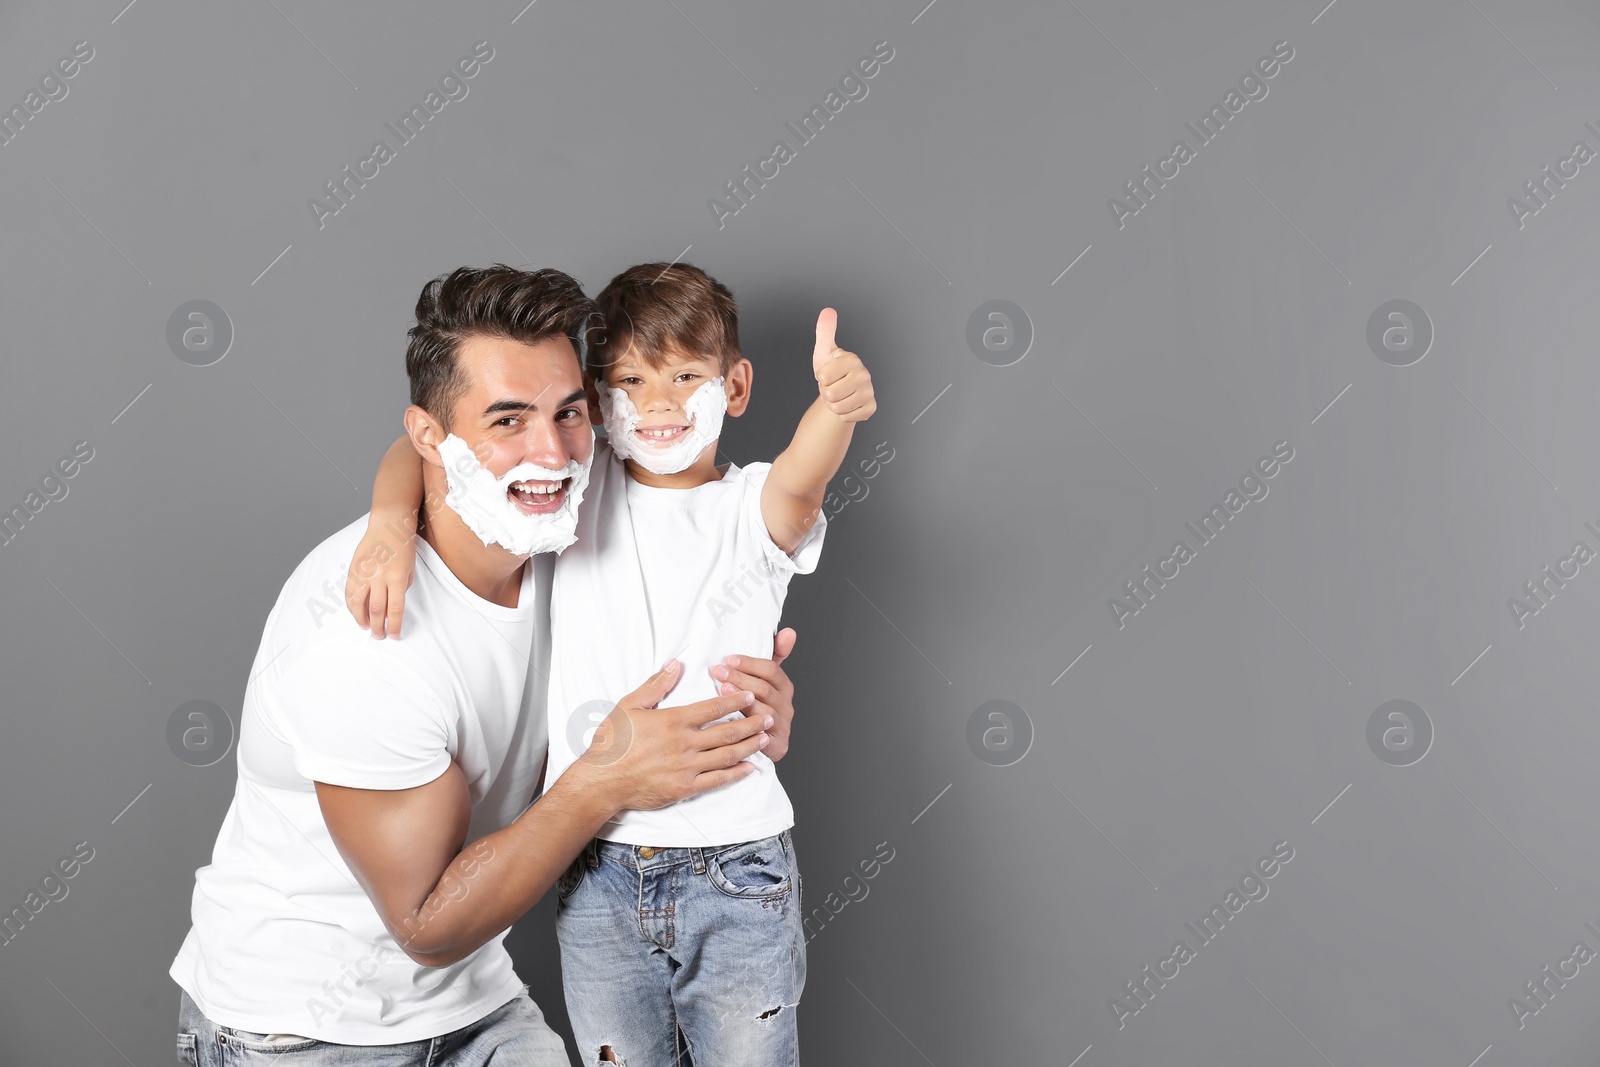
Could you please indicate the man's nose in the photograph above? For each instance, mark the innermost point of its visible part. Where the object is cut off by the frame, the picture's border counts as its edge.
(543, 445)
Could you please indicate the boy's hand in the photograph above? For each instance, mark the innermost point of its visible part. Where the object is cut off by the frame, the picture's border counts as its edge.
(842, 379)
(773, 690)
(374, 591)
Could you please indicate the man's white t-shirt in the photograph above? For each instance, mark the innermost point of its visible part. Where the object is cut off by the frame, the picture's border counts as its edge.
(659, 574)
(284, 940)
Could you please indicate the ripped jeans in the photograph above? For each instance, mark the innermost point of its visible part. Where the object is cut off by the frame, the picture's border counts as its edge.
(706, 941)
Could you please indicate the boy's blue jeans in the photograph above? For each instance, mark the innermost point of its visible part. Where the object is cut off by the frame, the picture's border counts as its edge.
(706, 940)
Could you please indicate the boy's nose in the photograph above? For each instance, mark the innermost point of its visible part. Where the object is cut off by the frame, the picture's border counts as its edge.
(657, 400)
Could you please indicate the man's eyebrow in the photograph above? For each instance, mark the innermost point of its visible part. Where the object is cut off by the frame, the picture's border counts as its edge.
(500, 406)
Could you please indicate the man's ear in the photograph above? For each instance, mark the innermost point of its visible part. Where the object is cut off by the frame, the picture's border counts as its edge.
(592, 391)
(426, 434)
(737, 383)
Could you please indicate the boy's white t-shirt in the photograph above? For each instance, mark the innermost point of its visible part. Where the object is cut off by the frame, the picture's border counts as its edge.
(284, 940)
(659, 574)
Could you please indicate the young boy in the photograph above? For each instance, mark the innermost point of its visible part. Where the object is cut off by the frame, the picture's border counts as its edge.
(686, 917)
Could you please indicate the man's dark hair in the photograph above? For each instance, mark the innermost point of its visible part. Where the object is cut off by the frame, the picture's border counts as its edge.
(497, 301)
(653, 307)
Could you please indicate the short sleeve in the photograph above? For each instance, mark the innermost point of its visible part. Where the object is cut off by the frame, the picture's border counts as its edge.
(805, 556)
(356, 717)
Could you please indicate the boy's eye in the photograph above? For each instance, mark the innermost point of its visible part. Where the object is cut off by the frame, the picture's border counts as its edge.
(628, 381)
(686, 375)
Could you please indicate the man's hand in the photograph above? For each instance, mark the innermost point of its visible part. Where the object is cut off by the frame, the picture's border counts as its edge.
(842, 379)
(644, 756)
(773, 690)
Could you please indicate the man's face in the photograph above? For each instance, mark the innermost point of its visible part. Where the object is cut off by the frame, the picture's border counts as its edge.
(524, 404)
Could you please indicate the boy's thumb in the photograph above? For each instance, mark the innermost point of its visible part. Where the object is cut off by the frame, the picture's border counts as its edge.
(827, 323)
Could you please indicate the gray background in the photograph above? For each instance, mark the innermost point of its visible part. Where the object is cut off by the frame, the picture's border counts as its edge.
(1222, 319)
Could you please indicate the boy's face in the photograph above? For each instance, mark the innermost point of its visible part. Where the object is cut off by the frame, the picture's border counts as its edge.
(661, 394)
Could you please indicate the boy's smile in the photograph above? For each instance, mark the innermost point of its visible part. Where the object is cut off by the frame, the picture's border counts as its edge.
(661, 433)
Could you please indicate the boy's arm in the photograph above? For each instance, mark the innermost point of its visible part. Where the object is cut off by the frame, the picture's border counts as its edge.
(792, 497)
(384, 563)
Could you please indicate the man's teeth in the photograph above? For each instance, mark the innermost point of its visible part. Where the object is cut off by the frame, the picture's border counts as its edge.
(536, 488)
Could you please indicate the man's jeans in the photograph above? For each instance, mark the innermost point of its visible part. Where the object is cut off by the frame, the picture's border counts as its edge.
(706, 940)
(514, 1035)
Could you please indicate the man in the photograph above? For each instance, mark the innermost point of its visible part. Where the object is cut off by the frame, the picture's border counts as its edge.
(344, 915)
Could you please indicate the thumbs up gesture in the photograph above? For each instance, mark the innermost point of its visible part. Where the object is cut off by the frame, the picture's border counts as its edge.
(843, 382)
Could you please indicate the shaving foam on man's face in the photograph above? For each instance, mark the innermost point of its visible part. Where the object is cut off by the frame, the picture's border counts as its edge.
(528, 510)
(665, 445)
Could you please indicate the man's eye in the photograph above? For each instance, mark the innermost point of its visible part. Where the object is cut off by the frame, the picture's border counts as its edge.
(565, 412)
(507, 421)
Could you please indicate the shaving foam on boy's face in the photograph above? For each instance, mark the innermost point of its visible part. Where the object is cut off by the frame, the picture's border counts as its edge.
(665, 446)
(528, 510)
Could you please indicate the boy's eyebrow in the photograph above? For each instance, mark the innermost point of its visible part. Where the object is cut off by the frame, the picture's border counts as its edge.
(500, 406)
(631, 363)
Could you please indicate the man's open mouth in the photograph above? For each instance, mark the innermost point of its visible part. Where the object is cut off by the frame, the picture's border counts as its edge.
(538, 498)
(659, 435)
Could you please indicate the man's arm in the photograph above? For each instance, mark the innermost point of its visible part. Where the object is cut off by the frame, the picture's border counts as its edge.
(441, 901)
(792, 497)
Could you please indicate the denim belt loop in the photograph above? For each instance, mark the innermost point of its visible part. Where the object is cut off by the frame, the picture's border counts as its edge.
(698, 855)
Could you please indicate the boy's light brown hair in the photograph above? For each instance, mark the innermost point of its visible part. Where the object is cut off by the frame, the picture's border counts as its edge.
(655, 307)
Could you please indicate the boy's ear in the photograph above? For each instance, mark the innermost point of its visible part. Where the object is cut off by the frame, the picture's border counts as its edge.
(592, 391)
(426, 434)
(737, 382)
